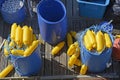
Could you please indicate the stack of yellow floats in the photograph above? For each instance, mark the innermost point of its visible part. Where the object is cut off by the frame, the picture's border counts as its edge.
(93, 41)
(97, 41)
(22, 43)
(21, 36)
(74, 53)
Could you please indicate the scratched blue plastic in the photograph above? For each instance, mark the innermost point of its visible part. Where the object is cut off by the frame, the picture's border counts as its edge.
(52, 20)
(13, 11)
(92, 8)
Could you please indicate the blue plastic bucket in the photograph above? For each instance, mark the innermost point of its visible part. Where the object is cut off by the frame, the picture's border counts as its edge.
(52, 20)
(27, 66)
(93, 8)
(14, 17)
(96, 62)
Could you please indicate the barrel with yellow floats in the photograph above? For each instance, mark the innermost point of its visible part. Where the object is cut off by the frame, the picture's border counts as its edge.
(97, 41)
(96, 48)
(21, 37)
(21, 48)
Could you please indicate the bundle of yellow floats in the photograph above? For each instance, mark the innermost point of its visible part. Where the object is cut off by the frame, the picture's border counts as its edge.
(73, 52)
(97, 40)
(20, 37)
(93, 41)
(22, 43)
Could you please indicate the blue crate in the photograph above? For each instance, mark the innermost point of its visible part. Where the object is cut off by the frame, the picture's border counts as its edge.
(92, 8)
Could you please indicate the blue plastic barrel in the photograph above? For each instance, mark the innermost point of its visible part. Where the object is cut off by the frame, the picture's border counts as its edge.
(95, 61)
(14, 17)
(27, 66)
(52, 20)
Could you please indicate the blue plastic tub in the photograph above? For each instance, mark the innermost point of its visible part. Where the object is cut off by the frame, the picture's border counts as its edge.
(52, 20)
(96, 62)
(27, 66)
(93, 8)
(15, 17)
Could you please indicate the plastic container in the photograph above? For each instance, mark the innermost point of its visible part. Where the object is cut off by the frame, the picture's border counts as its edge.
(52, 20)
(92, 8)
(14, 17)
(27, 66)
(96, 62)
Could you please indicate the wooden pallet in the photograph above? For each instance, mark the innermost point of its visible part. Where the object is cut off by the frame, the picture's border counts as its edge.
(55, 68)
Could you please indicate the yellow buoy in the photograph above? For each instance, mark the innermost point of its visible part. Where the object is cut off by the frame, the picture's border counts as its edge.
(13, 31)
(78, 62)
(19, 36)
(6, 53)
(83, 69)
(69, 40)
(73, 33)
(6, 71)
(73, 58)
(91, 37)
(31, 35)
(12, 44)
(31, 48)
(71, 49)
(26, 35)
(87, 43)
(17, 52)
(57, 48)
(100, 41)
(108, 41)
